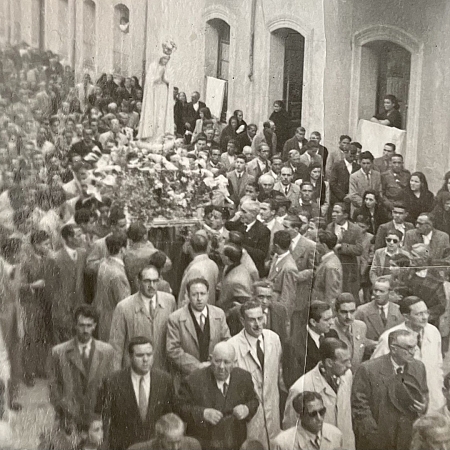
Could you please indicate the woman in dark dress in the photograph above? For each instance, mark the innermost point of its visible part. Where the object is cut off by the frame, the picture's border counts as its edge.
(282, 123)
(180, 112)
(372, 211)
(441, 212)
(391, 116)
(418, 197)
(228, 133)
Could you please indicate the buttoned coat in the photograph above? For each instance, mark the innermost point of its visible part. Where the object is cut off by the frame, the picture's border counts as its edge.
(430, 354)
(439, 242)
(73, 391)
(200, 267)
(357, 344)
(296, 439)
(328, 279)
(182, 342)
(112, 287)
(237, 189)
(377, 423)
(265, 424)
(254, 168)
(339, 411)
(339, 178)
(131, 319)
(358, 184)
(284, 276)
(370, 315)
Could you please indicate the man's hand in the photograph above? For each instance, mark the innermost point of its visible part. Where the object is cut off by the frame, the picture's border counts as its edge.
(240, 412)
(205, 364)
(212, 416)
(39, 284)
(419, 407)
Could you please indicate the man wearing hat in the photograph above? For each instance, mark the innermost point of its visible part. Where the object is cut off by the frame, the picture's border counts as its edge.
(428, 350)
(388, 394)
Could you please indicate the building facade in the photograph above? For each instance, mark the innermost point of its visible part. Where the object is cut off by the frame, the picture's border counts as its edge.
(331, 61)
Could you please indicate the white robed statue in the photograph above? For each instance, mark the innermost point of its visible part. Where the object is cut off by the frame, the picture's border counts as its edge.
(157, 107)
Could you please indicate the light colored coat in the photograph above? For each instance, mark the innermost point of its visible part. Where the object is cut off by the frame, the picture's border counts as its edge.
(296, 439)
(131, 319)
(112, 287)
(182, 343)
(431, 356)
(200, 267)
(265, 424)
(98, 253)
(359, 185)
(339, 412)
(293, 194)
(328, 279)
(379, 260)
(236, 283)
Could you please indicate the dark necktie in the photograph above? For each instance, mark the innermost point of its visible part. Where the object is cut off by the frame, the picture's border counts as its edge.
(383, 316)
(316, 443)
(260, 354)
(419, 340)
(286, 190)
(225, 389)
(143, 400)
(399, 370)
(85, 357)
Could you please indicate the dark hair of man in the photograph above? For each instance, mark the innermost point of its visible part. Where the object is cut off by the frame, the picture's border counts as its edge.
(236, 112)
(266, 124)
(367, 155)
(271, 202)
(146, 267)
(395, 232)
(82, 216)
(233, 251)
(317, 308)
(399, 205)
(236, 237)
(344, 207)
(116, 216)
(199, 243)
(240, 156)
(10, 247)
(301, 400)
(357, 145)
(329, 346)
(115, 243)
(158, 260)
(283, 239)
(344, 136)
(249, 304)
(252, 125)
(261, 284)
(232, 141)
(306, 183)
(394, 335)
(327, 238)
(406, 303)
(316, 133)
(38, 236)
(67, 231)
(201, 137)
(137, 231)
(254, 185)
(138, 340)
(390, 144)
(198, 280)
(397, 155)
(88, 311)
(276, 157)
(344, 297)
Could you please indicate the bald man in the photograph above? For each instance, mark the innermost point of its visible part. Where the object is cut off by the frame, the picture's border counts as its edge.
(216, 402)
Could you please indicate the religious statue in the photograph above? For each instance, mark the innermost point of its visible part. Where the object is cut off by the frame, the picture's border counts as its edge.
(157, 106)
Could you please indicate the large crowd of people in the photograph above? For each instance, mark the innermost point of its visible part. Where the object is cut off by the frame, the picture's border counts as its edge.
(311, 311)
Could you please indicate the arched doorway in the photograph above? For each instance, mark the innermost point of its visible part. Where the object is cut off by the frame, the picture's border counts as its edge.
(89, 34)
(217, 55)
(122, 42)
(288, 54)
(385, 69)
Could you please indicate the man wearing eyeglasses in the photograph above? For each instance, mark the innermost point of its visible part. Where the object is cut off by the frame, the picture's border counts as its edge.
(380, 418)
(310, 431)
(332, 379)
(428, 349)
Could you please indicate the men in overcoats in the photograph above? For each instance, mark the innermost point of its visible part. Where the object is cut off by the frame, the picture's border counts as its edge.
(258, 351)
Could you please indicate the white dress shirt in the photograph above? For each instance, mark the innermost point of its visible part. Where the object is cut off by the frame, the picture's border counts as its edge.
(315, 337)
(385, 308)
(221, 383)
(147, 302)
(249, 226)
(72, 253)
(198, 314)
(349, 166)
(136, 381)
(87, 345)
(254, 342)
(295, 241)
(427, 238)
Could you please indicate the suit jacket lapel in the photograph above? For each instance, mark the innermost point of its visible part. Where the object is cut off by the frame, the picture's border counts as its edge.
(375, 319)
(189, 324)
(74, 356)
(130, 394)
(97, 358)
(154, 392)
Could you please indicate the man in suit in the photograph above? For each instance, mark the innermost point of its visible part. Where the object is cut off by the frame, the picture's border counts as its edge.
(329, 274)
(258, 351)
(307, 206)
(142, 314)
(194, 330)
(364, 179)
(267, 215)
(289, 189)
(297, 142)
(383, 163)
(338, 154)
(85, 146)
(65, 286)
(256, 235)
(395, 182)
(377, 422)
(399, 214)
(133, 399)
(246, 139)
(261, 164)
(283, 272)
(228, 157)
(340, 175)
(217, 402)
(323, 151)
(239, 179)
(350, 330)
(193, 110)
(214, 164)
(310, 431)
(77, 369)
(169, 435)
(311, 154)
(200, 266)
(138, 254)
(428, 350)
(300, 170)
(425, 233)
(299, 359)
(112, 284)
(380, 314)
(332, 379)
(349, 246)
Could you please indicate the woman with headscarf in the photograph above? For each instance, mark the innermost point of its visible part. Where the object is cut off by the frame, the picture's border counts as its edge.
(419, 199)
(228, 133)
(282, 124)
(441, 212)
